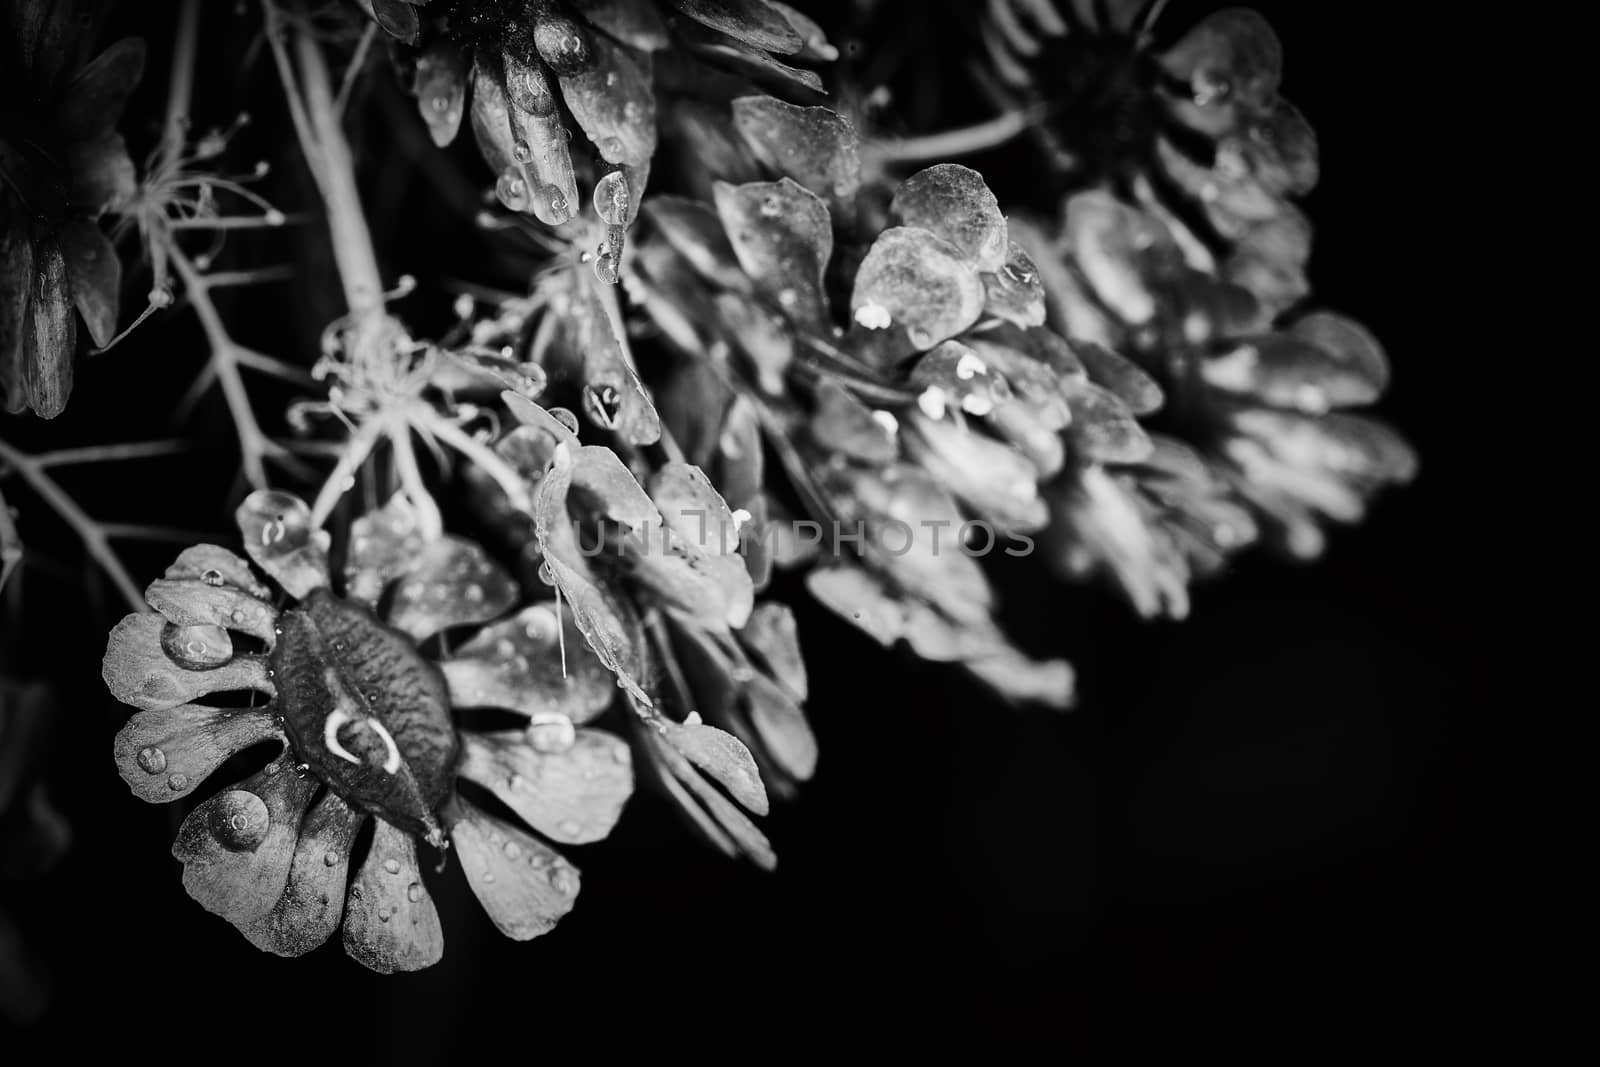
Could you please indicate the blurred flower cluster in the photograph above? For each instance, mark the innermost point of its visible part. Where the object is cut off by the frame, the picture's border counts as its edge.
(809, 356)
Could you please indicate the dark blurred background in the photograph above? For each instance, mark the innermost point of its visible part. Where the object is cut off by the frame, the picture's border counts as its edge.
(1272, 823)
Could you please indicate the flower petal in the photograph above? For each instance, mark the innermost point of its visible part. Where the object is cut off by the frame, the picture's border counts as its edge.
(1231, 55)
(95, 275)
(754, 22)
(600, 617)
(722, 757)
(783, 238)
(773, 639)
(816, 147)
(575, 795)
(847, 427)
(782, 727)
(614, 398)
(859, 597)
(1120, 376)
(816, 44)
(440, 87)
(277, 532)
(192, 602)
(695, 232)
(633, 22)
(216, 566)
(919, 283)
(517, 664)
(1353, 347)
(164, 755)
(696, 517)
(390, 923)
(719, 818)
(138, 671)
(613, 103)
(384, 544)
(989, 476)
(1104, 430)
(93, 103)
(50, 338)
(525, 885)
(517, 125)
(452, 583)
(102, 174)
(397, 18)
(1015, 292)
(1286, 371)
(237, 847)
(953, 203)
(312, 904)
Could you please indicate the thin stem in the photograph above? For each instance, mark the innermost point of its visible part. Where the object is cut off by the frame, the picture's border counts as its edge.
(10, 544)
(235, 222)
(89, 532)
(405, 462)
(510, 482)
(969, 139)
(353, 71)
(347, 223)
(355, 453)
(253, 444)
(180, 82)
(109, 453)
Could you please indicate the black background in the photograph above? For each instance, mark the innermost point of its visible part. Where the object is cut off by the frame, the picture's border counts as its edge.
(1269, 823)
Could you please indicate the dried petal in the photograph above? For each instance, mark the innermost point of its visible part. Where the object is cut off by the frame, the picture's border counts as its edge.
(390, 923)
(921, 283)
(816, 147)
(138, 672)
(953, 203)
(519, 664)
(237, 847)
(278, 536)
(165, 755)
(451, 583)
(50, 338)
(574, 795)
(782, 236)
(524, 884)
(312, 904)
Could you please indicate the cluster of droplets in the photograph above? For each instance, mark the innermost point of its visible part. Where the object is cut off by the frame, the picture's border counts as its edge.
(612, 204)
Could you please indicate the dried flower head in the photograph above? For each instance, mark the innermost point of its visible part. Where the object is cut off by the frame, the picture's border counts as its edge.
(62, 165)
(362, 697)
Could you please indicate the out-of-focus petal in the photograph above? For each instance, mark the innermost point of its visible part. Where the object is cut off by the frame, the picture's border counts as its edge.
(695, 232)
(754, 22)
(312, 904)
(844, 425)
(953, 203)
(279, 538)
(237, 847)
(139, 672)
(384, 544)
(1231, 55)
(633, 22)
(1104, 429)
(781, 725)
(989, 476)
(1015, 292)
(16, 266)
(440, 87)
(452, 582)
(102, 174)
(525, 885)
(782, 236)
(1121, 377)
(773, 638)
(390, 923)
(816, 147)
(574, 795)
(94, 101)
(95, 275)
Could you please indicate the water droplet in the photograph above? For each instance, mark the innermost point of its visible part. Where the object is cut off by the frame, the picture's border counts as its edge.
(178, 783)
(565, 418)
(512, 850)
(239, 820)
(521, 151)
(564, 879)
(152, 760)
(612, 199)
(551, 732)
(330, 859)
(197, 648)
(384, 914)
(473, 593)
(606, 267)
(440, 102)
(603, 404)
(414, 892)
(570, 828)
(516, 783)
(272, 531)
(612, 149)
(920, 339)
(211, 577)
(512, 190)
(392, 866)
